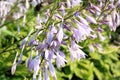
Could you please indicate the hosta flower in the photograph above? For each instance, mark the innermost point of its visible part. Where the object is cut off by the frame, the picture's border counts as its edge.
(13, 68)
(91, 48)
(101, 37)
(52, 70)
(34, 64)
(75, 2)
(90, 19)
(94, 9)
(32, 40)
(46, 54)
(55, 44)
(24, 42)
(62, 8)
(82, 31)
(50, 36)
(39, 25)
(82, 20)
(75, 51)
(41, 46)
(68, 3)
(60, 60)
(20, 58)
(29, 59)
(60, 34)
(110, 23)
(46, 75)
(5, 7)
(99, 47)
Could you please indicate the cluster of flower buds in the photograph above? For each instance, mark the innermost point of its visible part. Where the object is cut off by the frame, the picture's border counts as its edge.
(65, 30)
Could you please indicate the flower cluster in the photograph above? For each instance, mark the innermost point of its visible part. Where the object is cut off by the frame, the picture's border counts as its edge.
(85, 22)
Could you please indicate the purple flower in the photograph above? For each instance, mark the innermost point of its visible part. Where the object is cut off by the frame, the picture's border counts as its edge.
(101, 37)
(13, 68)
(24, 42)
(82, 20)
(50, 36)
(75, 51)
(46, 76)
(41, 46)
(52, 70)
(55, 44)
(90, 19)
(91, 48)
(60, 34)
(99, 47)
(68, 3)
(110, 23)
(81, 32)
(46, 54)
(29, 59)
(33, 38)
(39, 25)
(34, 64)
(20, 58)
(75, 2)
(60, 60)
(76, 14)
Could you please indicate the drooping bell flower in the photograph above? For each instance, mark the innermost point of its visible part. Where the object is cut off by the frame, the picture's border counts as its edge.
(13, 68)
(60, 33)
(20, 58)
(75, 2)
(60, 60)
(91, 19)
(52, 70)
(91, 48)
(75, 51)
(68, 3)
(46, 75)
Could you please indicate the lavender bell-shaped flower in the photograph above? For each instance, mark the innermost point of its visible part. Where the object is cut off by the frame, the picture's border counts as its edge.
(91, 48)
(99, 47)
(82, 20)
(52, 70)
(46, 54)
(68, 3)
(101, 37)
(33, 38)
(75, 2)
(20, 58)
(81, 32)
(90, 19)
(60, 34)
(24, 42)
(46, 76)
(29, 59)
(13, 68)
(34, 63)
(50, 36)
(60, 60)
(75, 51)
(39, 25)
(110, 23)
